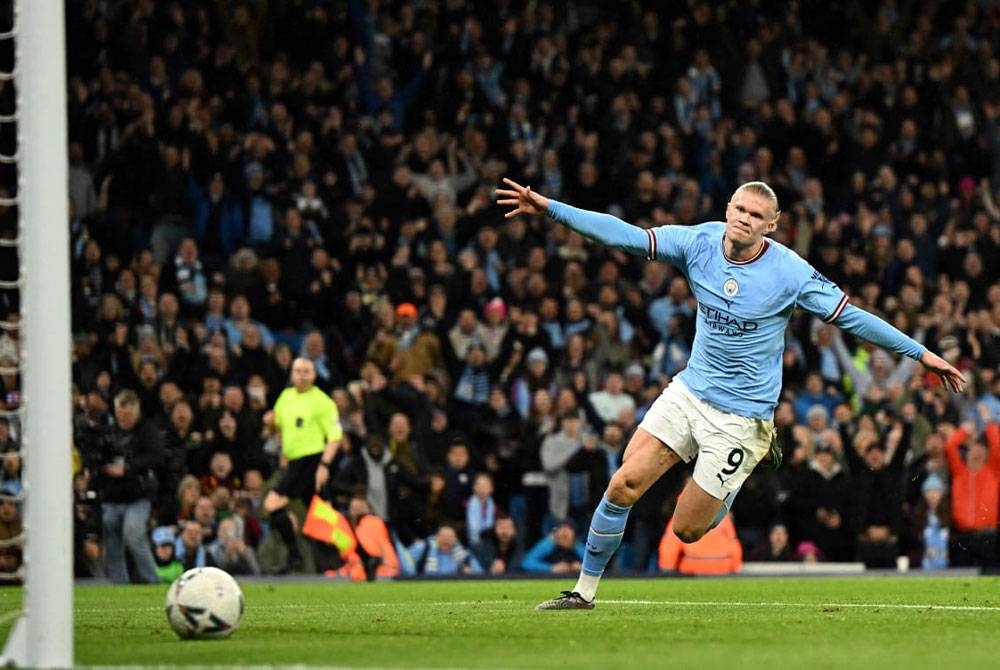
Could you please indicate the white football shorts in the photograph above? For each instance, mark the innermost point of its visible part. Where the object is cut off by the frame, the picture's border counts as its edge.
(728, 446)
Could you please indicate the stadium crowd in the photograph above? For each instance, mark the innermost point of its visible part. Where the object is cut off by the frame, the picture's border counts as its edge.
(254, 182)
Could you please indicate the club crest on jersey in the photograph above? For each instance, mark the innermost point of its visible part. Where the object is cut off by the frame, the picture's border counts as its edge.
(730, 288)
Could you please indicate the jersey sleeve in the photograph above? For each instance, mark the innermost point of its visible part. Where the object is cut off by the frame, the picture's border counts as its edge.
(604, 228)
(675, 244)
(820, 296)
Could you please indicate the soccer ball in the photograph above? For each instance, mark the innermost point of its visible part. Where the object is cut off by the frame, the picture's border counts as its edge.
(204, 602)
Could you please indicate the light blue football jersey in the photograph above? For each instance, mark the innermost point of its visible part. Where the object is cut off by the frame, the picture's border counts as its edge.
(743, 308)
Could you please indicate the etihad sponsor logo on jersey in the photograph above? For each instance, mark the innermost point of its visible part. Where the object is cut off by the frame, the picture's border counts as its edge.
(726, 323)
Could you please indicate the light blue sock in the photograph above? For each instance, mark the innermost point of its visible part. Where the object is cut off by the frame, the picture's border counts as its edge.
(606, 530)
(727, 504)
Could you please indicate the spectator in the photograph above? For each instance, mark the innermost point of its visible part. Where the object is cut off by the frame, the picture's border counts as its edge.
(499, 549)
(409, 350)
(258, 209)
(390, 487)
(230, 552)
(876, 468)
(481, 510)
(220, 467)
(164, 551)
(218, 220)
(239, 321)
(295, 242)
(181, 507)
(243, 507)
(559, 553)
(443, 555)
(186, 278)
(125, 461)
(776, 548)
(813, 394)
(191, 550)
(205, 515)
(932, 520)
(612, 399)
(537, 375)
(183, 453)
(564, 454)
(821, 505)
(975, 481)
(458, 477)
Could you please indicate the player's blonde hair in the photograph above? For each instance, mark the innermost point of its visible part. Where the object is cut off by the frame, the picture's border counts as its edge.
(764, 191)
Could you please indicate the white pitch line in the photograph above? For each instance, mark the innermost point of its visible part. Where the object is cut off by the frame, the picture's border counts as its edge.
(652, 603)
(724, 603)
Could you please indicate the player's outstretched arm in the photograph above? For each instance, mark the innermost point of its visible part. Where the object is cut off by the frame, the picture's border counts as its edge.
(869, 327)
(604, 228)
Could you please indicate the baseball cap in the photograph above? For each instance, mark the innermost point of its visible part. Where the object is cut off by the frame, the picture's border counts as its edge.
(163, 535)
(406, 309)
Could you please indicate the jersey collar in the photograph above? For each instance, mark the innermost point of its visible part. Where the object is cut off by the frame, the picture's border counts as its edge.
(756, 256)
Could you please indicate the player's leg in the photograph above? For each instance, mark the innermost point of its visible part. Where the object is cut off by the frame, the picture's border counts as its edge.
(772, 460)
(695, 512)
(730, 447)
(661, 440)
(274, 501)
(727, 504)
(280, 519)
(645, 460)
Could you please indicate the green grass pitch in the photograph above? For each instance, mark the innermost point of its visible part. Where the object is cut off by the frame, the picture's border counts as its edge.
(873, 622)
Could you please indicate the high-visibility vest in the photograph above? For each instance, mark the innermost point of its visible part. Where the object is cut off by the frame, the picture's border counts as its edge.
(324, 523)
(718, 552)
(373, 538)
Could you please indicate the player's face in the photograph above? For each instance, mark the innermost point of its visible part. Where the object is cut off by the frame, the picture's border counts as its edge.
(748, 218)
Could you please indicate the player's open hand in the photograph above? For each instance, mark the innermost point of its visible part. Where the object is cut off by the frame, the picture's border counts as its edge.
(953, 380)
(522, 199)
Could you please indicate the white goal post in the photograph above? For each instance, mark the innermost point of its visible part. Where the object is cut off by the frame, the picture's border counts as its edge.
(43, 635)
